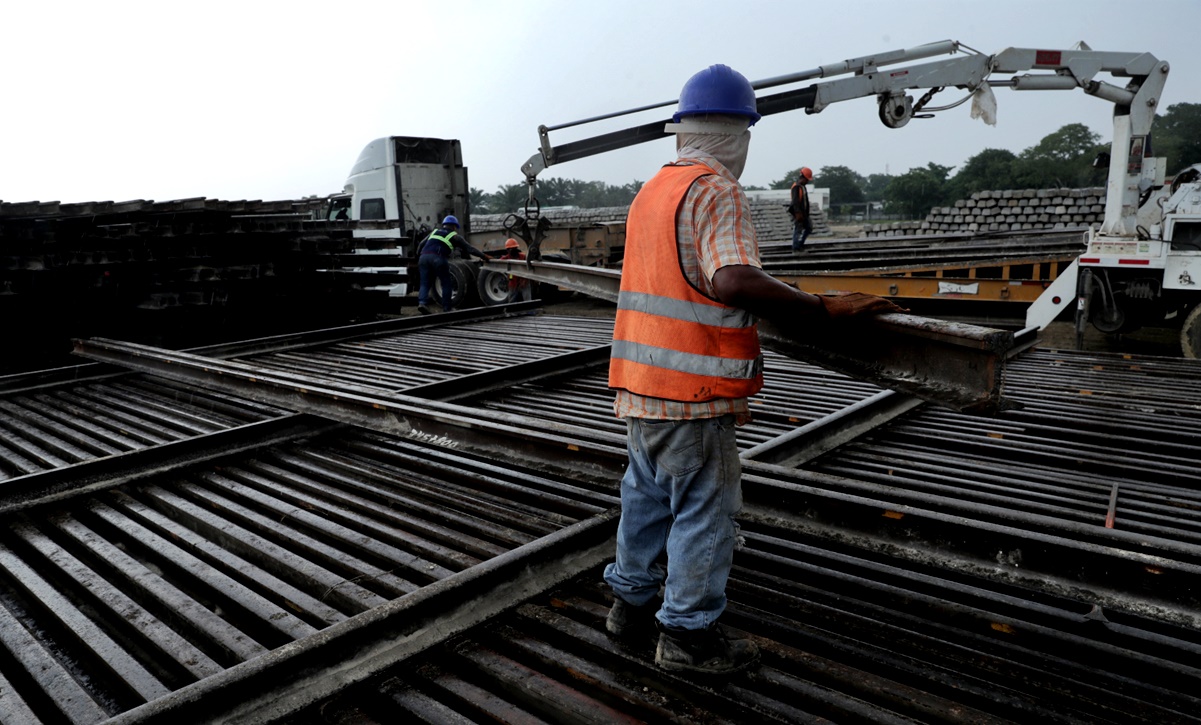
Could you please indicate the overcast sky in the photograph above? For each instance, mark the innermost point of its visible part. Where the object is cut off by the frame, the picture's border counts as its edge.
(272, 100)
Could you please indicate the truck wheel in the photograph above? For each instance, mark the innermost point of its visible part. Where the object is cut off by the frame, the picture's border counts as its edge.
(1190, 334)
(463, 274)
(493, 287)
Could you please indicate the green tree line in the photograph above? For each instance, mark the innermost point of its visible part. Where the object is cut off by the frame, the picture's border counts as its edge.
(510, 198)
(1061, 159)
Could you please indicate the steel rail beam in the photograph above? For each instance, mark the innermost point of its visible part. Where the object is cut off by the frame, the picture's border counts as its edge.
(278, 343)
(1121, 569)
(958, 289)
(38, 487)
(111, 471)
(488, 381)
(950, 364)
(555, 446)
(849, 261)
(296, 675)
(25, 382)
(799, 446)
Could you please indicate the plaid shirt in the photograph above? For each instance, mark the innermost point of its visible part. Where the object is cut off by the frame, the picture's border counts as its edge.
(714, 230)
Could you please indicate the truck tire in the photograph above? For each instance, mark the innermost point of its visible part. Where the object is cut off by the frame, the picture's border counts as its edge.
(1190, 334)
(463, 273)
(493, 287)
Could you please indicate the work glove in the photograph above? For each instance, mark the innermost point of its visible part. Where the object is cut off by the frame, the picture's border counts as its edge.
(856, 304)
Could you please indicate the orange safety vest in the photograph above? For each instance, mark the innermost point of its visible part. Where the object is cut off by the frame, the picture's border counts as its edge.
(671, 341)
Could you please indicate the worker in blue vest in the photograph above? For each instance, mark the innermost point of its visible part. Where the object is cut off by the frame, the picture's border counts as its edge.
(433, 259)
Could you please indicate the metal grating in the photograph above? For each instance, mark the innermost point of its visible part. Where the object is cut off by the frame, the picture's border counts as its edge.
(405, 360)
(44, 429)
(1105, 440)
(120, 598)
(795, 393)
(845, 636)
(894, 591)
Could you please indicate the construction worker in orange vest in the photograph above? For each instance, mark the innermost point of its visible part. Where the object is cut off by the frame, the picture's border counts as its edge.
(685, 359)
(519, 287)
(802, 224)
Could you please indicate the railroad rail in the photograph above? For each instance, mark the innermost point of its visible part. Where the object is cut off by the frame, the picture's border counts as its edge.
(952, 364)
(903, 563)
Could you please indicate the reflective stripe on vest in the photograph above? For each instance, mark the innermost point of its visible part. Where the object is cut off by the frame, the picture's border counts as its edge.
(437, 236)
(669, 340)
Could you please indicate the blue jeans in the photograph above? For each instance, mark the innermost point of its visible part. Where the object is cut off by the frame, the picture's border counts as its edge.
(800, 232)
(679, 496)
(430, 266)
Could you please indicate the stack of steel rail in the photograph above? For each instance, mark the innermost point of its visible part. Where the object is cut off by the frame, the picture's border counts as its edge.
(251, 564)
(943, 251)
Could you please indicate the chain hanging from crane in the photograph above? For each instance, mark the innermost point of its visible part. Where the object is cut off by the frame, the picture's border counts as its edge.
(531, 226)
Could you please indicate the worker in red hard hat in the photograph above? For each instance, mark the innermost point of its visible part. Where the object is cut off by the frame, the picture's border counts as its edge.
(684, 362)
(798, 207)
(519, 287)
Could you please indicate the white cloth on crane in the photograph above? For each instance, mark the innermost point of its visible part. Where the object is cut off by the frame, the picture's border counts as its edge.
(984, 104)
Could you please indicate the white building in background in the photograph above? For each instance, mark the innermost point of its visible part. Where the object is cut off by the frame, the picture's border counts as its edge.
(818, 197)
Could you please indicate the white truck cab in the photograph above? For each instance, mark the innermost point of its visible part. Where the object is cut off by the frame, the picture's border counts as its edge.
(400, 189)
(412, 181)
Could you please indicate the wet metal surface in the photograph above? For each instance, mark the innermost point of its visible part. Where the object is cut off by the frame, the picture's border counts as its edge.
(902, 564)
(46, 429)
(140, 591)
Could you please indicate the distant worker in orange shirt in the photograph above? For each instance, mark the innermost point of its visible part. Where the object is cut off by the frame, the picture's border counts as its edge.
(802, 224)
(519, 287)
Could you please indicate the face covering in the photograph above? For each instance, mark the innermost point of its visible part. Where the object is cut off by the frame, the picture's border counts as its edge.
(730, 150)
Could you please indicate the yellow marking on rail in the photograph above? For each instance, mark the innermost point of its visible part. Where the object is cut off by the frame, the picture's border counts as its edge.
(1002, 627)
(893, 515)
(996, 435)
(1153, 570)
(572, 447)
(1086, 392)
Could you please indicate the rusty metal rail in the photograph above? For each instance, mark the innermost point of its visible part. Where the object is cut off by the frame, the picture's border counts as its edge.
(950, 364)
(44, 430)
(457, 427)
(846, 637)
(934, 476)
(446, 353)
(142, 599)
(257, 588)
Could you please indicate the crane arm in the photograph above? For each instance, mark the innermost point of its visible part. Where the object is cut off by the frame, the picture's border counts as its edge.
(1134, 102)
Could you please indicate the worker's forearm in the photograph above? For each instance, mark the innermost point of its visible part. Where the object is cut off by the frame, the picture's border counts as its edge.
(778, 300)
(757, 292)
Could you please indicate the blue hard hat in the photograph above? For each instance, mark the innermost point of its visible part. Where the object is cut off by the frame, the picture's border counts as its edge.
(450, 220)
(717, 89)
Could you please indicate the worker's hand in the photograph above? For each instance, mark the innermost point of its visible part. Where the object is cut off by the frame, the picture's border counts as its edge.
(856, 304)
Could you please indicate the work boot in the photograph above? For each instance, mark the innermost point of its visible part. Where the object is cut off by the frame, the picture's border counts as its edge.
(423, 309)
(709, 651)
(633, 623)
